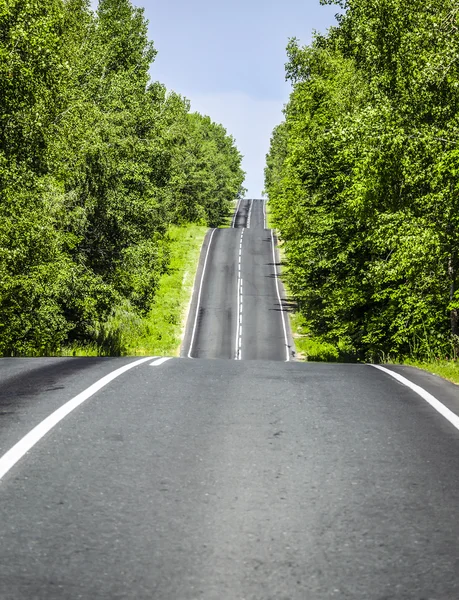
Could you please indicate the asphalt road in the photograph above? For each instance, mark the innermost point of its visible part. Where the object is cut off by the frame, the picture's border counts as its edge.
(147, 479)
(237, 310)
(228, 480)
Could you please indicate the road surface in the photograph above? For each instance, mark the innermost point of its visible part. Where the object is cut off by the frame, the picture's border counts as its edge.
(237, 310)
(227, 479)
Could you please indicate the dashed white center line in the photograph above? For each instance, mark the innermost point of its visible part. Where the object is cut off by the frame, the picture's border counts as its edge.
(239, 307)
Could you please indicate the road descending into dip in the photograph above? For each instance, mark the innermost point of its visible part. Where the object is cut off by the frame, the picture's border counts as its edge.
(224, 478)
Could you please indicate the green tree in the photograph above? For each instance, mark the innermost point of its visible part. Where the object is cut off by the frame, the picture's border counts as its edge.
(95, 164)
(362, 178)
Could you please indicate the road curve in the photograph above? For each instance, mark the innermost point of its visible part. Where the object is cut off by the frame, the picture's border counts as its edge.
(227, 480)
(237, 310)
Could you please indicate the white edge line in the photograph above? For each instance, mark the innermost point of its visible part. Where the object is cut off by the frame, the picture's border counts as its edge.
(233, 222)
(160, 361)
(264, 214)
(189, 305)
(434, 403)
(280, 301)
(14, 454)
(198, 302)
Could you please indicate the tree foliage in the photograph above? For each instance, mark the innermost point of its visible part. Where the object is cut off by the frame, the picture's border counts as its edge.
(362, 177)
(96, 163)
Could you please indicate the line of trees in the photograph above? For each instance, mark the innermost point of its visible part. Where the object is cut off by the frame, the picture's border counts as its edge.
(96, 162)
(363, 178)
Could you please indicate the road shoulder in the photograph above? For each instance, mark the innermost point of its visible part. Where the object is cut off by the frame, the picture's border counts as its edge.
(444, 391)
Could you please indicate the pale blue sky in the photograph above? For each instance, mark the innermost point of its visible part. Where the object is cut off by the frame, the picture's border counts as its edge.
(228, 59)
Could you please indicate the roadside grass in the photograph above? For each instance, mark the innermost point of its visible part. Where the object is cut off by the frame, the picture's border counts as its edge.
(269, 217)
(448, 369)
(227, 221)
(309, 347)
(161, 331)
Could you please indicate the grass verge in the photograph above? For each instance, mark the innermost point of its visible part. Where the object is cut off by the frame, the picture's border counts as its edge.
(269, 217)
(448, 369)
(160, 332)
(228, 219)
(309, 347)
